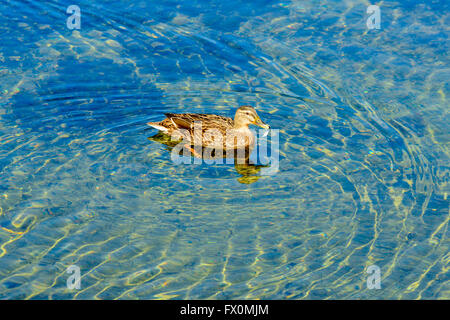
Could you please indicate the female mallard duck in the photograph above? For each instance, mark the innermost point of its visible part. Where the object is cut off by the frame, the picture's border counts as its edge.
(212, 131)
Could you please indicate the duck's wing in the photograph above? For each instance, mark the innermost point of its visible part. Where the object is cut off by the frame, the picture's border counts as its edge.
(180, 121)
(208, 121)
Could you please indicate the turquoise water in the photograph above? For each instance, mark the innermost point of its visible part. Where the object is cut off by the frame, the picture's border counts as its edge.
(364, 150)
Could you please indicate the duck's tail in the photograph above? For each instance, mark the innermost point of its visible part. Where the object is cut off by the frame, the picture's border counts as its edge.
(158, 126)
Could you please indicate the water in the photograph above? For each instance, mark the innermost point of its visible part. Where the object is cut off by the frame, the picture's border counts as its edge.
(364, 150)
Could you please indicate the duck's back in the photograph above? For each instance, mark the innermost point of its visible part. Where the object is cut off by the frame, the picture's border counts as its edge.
(187, 121)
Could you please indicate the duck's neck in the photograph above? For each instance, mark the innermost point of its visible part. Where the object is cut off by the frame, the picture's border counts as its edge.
(239, 124)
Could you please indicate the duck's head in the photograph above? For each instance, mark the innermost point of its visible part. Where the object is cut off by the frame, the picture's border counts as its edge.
(247, 115)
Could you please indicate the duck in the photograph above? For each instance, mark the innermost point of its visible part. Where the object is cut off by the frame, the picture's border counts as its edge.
(211, 130)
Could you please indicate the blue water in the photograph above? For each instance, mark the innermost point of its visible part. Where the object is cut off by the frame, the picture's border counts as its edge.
(364, 150)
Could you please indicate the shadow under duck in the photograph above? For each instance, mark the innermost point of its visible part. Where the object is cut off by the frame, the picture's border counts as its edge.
(249, 172)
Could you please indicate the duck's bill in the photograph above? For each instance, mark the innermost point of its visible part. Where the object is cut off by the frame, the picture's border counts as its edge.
(261, 124)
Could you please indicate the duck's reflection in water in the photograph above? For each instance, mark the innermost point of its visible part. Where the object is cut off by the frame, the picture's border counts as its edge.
(249, 172)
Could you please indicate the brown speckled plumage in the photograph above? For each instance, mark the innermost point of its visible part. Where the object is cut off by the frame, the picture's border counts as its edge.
(216, 131)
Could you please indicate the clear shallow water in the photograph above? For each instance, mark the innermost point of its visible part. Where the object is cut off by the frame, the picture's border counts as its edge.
(364, 150)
